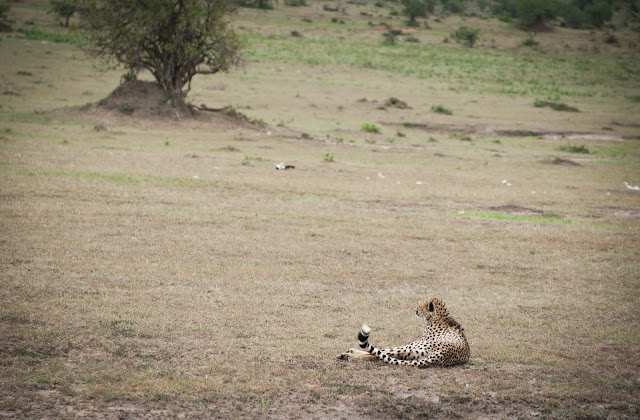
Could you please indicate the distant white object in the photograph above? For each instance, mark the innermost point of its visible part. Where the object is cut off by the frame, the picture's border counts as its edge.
(381, 176)
(504, 181)
(419, 182)
(283, 167)
(629, 187)
(196, 177)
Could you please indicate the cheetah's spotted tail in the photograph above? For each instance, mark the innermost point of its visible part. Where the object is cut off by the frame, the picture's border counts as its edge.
(363, 341)
(363, 336)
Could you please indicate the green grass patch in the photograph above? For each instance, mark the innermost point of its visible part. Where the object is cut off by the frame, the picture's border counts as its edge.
(481, 70)
(532, 218)
(370, 128)
(617, 151)
(34, 34)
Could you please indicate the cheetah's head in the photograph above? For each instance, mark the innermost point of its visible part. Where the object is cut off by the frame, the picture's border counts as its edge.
(431, 309)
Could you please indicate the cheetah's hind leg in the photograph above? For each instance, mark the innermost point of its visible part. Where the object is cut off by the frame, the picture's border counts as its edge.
(356, 354)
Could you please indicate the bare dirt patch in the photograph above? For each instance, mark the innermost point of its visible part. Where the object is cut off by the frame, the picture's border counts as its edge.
(144, 102)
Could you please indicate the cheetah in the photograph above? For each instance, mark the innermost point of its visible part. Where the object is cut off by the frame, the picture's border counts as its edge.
(443, 342)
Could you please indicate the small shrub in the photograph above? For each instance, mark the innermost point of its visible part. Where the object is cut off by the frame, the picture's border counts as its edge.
(295, 3)
(556, 106)
(296, 34)
(530, 42)
(370, 128)
(391, 37)
(467, 35)
(127, 109)
(129, 76)
(570, 148)
(611, 39)
(441, 110)
(412, 39)
(397, 103)
(307, 20)
(328, 157)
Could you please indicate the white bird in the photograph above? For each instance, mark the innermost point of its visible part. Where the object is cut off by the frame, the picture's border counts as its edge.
(629, 187)
(381, 176)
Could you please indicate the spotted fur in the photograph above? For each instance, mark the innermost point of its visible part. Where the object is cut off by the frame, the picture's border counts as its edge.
(443, 342)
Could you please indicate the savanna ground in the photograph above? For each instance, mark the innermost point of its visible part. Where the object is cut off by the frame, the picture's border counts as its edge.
(161, 267)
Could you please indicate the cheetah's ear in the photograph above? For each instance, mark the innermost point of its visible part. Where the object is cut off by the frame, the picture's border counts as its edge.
(431, 307)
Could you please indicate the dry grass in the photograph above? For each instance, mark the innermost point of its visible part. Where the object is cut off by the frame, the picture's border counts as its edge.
(164, 267)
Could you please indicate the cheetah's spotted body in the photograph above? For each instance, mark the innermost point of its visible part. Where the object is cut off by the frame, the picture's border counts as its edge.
(443, 342)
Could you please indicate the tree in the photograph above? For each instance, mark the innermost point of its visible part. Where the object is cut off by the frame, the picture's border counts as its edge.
(64, 9)
(5, 20)
(414, 9)
(172, 39)
(599, 13)
(257, 4)
(536, 12)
